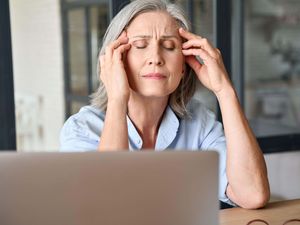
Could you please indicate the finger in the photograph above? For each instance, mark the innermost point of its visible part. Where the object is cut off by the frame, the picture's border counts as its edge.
(193, 62)
(123, 34)
(188, 35)
(120, 50)
(207, 59)
(122, 39)
(197, 52)
(201, 43)
(115, 44)
(198, 41)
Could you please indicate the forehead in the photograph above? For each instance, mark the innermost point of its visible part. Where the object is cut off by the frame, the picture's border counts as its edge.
(149, 21)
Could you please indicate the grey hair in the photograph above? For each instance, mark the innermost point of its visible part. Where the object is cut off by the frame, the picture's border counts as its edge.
(186, 88)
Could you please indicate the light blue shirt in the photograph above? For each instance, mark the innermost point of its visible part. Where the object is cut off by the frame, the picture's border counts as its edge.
(199, 131)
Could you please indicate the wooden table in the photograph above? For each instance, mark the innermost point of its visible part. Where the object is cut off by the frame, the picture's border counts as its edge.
(275, 213)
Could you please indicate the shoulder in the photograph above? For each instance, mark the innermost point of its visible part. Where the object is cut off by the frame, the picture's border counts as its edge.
(210, 129)
(199, 112)
(88, 118)
(88, 114)
(202, 122)
(82, 127)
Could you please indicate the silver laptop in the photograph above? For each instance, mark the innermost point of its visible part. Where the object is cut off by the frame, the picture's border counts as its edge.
(120, 188)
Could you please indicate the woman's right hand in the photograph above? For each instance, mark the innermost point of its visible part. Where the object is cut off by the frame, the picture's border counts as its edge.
(113, 74)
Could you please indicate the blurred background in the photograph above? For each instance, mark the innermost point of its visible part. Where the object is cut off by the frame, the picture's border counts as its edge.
(55, 46)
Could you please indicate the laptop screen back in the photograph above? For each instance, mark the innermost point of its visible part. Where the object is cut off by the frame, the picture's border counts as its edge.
(128, 188)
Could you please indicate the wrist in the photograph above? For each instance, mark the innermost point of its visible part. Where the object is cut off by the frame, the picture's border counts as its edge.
(226, 93)
(117, 106)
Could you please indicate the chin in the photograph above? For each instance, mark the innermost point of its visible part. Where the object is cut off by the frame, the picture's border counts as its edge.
(153, 93)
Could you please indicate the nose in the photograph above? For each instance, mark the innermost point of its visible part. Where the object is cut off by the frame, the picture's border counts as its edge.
(156, 57)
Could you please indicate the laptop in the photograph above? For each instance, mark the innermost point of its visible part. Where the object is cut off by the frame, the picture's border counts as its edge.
(111, 188)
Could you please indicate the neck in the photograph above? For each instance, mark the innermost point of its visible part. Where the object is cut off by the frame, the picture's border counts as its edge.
(146, 114)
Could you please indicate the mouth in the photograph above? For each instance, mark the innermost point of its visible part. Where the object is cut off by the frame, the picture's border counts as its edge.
(154, 76)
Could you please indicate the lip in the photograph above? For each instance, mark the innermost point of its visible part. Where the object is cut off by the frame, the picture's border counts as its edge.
(154, 76)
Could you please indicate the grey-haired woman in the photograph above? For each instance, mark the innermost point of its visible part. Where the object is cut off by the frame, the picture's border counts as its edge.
(144, 100)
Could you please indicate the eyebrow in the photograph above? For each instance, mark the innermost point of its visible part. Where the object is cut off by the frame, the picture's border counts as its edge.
(149, 36)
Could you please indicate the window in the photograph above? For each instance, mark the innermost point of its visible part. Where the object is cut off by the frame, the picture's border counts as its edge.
(84, 23)
(271, 68)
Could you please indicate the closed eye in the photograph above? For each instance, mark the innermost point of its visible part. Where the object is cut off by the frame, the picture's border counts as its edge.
(141, 47)
(140, 44)
(169, 48)
(168, 44)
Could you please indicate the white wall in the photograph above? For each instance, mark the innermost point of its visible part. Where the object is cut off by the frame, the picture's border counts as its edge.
(284, 175)
(38, 73)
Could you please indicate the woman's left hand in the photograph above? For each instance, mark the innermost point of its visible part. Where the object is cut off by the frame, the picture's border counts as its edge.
(212, 73)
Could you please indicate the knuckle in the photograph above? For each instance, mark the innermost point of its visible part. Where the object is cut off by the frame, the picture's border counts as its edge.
(116, 42)
(117, 52)
(111, 45)
(215, 60)
(108, 48)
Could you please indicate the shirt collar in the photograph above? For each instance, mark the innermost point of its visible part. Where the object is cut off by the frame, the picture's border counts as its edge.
(135, 141)
(166, 132)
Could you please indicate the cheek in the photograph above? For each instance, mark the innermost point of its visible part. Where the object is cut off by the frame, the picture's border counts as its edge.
(133, 59)
(177, 63)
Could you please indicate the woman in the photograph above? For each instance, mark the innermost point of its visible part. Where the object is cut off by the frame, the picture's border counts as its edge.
(144, 100)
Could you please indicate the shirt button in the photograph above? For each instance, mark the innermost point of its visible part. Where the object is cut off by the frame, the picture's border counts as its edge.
(139, 141)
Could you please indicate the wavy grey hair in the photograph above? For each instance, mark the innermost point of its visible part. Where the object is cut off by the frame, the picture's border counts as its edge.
(186, 88)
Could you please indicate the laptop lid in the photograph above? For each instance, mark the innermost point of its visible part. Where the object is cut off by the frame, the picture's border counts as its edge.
(111, 188)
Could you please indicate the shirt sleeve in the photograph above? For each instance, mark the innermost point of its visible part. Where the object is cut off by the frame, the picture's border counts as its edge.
(74, 137)
(215, 140)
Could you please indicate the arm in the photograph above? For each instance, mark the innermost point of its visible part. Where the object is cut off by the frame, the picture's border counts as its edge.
(246, 169)
(115, 133)
(248, 184)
